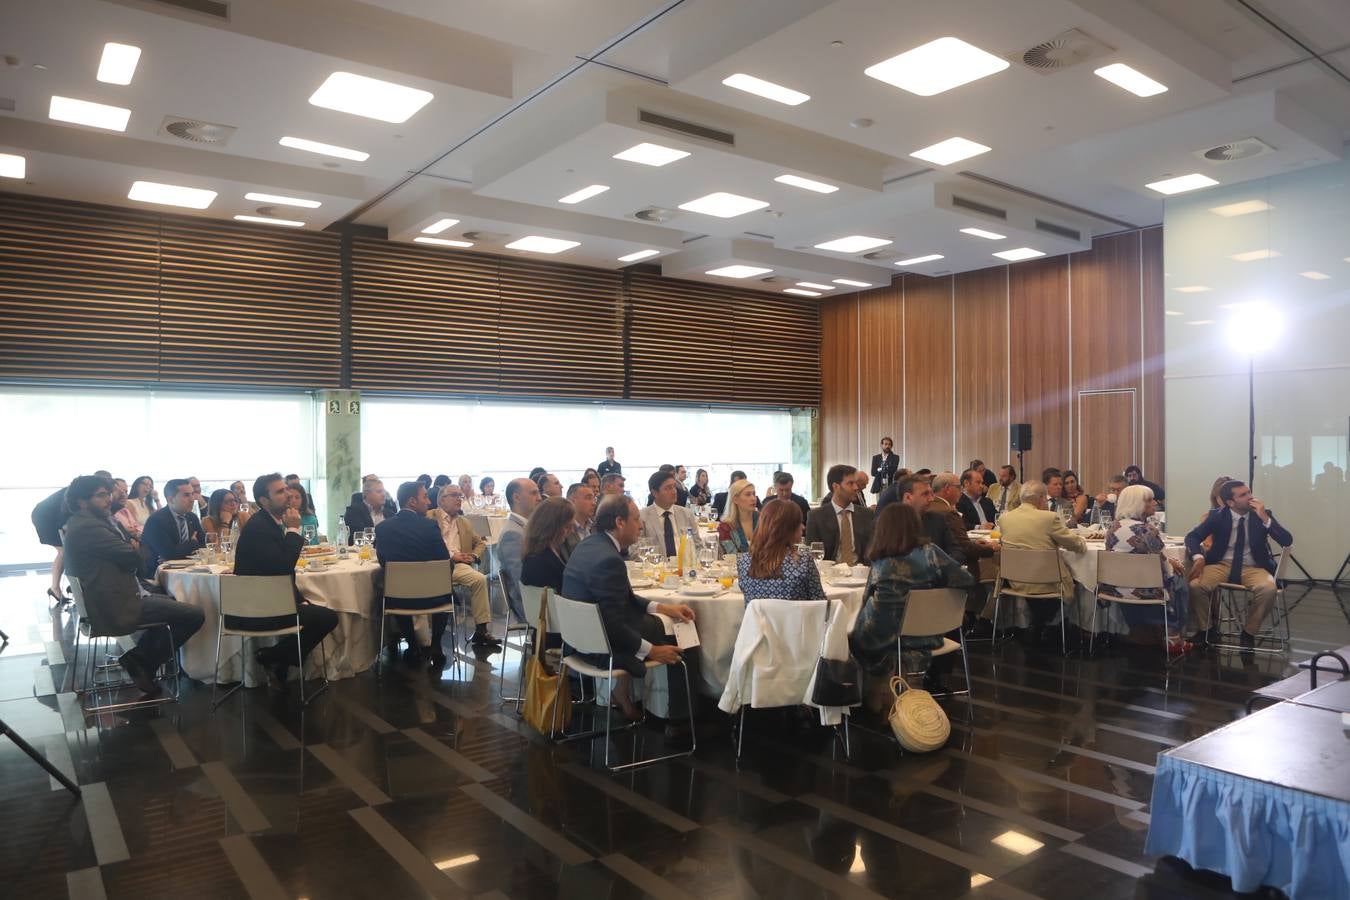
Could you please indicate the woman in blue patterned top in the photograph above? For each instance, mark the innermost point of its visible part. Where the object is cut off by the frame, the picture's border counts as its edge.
(902, 561)
(1133, 533)
(776, 567)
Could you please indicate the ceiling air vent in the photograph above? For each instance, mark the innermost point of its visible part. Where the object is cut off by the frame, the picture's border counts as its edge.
(195, 131)
(777, 279)
(487, 237)
(689, 129)
(1062, 51)
(1235, 150)
(214, 8)
(1072, 234)
(881, 255)
(655, 214)
(983, 209)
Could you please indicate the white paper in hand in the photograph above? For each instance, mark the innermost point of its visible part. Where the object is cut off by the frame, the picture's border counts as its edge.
(686, 635)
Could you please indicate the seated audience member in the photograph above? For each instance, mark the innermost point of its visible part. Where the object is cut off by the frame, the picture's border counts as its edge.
(434, 492)
(736, 531)
(719, 501)
(269, 544)
(123, 514)
(410, 536)
(986, 474)
(105, 563)
(609, 464)
(467, 549)
(591, 479)
(535, 473)
(1214, 503)
(776, 567)
(977, 510)
(221, 513)
(143, 499)
(543, 555)
(1054, 495)
(902, 561)
(240, 491)
(426, 481)
(1006, 492)
(1135, 475)
(522, 496)
(465, 488)
(665, 520)
(370, 510)
(583, 499)
(916, 492)
(948, 490)
(549, 486)
(390, 509)
(1075, 496)
(1132, 533)
(782, 490)
(844, 529)
(1034, 526)
(299, 499)
(700, 494)
(596, 573)
(860, 482)
(1239, 553)
(612, 485)
(1105, 502)
(173, 532)
(487, 490)
(198, 501)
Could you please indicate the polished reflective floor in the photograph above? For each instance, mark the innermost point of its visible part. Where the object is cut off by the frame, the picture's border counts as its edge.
(417, 785)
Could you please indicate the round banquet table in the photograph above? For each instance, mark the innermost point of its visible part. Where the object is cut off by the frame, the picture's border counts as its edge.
(347, 588)
(494, 524)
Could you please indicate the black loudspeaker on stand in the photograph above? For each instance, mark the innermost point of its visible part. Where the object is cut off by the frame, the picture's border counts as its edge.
(1020, 438)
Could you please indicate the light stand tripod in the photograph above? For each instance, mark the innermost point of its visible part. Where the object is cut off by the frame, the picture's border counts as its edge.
(6, 731)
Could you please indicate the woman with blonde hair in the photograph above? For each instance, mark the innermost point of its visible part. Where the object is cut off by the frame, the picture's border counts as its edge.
(740, 519)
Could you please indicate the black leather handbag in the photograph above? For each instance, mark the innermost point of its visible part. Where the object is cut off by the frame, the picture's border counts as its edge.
(838, 681)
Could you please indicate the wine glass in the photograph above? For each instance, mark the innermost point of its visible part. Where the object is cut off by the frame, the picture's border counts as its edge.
(818, 551)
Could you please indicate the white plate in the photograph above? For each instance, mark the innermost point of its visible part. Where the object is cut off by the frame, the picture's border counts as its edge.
(847, 582)
(641, 583)
(700, 590)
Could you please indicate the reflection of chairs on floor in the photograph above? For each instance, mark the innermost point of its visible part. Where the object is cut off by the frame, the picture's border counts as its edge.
(107, 676)
(1235, 602)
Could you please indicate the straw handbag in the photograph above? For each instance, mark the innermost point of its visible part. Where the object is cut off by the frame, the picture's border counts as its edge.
(545, 689)
(918, 722)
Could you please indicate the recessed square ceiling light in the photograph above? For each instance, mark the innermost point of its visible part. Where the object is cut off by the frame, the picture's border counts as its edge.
(914, 261)
(12, 165)
(724, 205)
(1246, 207)
(1018, 254)
(801, 293)
(766, 89)
(283, 201)
(952, 150)
(640, 254)
(535, 244)
(1174, 312)
(1018, 843)
(937, 66)
(814, 286)
(1254, 255)
(854, 243)
(1193, 289)
(296, 143)
(439, 225)
(981, 233)
(118, 63)
(267, 220)
(83, 112)
(1315, 276)
(442, 242)
(807, 184)
(851, 283)
(369, 97)
(585, 193)
(1200, 322)
(171, 195)
(651, 154)
(1130, 79)
(1181, 183)
(738, 271)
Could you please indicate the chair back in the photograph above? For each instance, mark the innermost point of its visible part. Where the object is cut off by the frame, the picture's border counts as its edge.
(77, 591)
(481, 526)
(933, 611)
(417, 580)
(257, 596)
(580, 624)
(532, 598)
(1286, 554)
(988, 570)
(1129, 570)
(1032, 566)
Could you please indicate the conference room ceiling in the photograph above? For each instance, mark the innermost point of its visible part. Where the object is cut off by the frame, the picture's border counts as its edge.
(531, 101)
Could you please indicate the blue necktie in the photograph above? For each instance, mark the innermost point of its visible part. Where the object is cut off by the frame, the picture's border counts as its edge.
(182, 529)
(670, 534)
(1239, 545)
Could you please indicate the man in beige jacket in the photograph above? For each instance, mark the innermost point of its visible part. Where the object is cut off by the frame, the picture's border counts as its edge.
(467, 549)
(1033, 526)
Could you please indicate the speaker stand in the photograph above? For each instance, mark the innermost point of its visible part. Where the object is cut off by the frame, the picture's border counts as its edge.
(1021, 469)
(38, 758)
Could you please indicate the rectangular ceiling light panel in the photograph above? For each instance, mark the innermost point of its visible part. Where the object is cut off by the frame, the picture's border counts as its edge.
(309, 146)
(1131, 79)
(766, 89)
(651, 154)
(118, 63)
(84, 112)
(1181, 183)
(937, 66)
(171, 195)
(282, 201)
(535, 244)
(370, 97)
(738, 271)
(585, 193)
(854, 243)
(724, 205)
(952, 150)
(806, 184)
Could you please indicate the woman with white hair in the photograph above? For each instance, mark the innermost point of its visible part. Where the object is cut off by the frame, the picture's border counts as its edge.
(1133, 533)
(740, 519)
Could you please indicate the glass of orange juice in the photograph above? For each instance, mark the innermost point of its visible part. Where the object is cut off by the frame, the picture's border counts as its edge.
(364, 553)
(995, 533)
(301, 563)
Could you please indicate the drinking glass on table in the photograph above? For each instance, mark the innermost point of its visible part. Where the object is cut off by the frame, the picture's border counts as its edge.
(706, 557)
(818, 550)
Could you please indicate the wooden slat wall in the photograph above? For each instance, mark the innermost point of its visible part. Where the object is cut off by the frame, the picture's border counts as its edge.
(678, 339)
(775, 350)
(1028, 338)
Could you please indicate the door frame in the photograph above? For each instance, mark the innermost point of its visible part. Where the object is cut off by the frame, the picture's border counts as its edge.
(1134, 422)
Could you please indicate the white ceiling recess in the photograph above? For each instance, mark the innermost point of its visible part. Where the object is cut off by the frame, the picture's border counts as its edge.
(786, 267)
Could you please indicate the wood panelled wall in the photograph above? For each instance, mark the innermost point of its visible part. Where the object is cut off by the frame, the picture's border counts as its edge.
(945, 365)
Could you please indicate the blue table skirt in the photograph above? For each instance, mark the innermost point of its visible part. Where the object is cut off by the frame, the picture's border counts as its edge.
(1255, 833)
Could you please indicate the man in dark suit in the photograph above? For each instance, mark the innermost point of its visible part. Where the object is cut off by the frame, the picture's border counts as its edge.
(719, 503)
(1238, 554)
(1135, 475)
(884, 466)
(389, 510)
(596, 573)
(834, 521)
(173, 532)
(269, 544)
(975, 508)
(105, 563)
(411, 537)
(369, 509)
(609, 464)
(782, 490)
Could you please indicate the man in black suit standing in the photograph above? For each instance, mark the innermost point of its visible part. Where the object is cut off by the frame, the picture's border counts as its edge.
(411, 537)
(975, 508)
(270, 544)
(884, 466)
(1237, 554)
(173, 532)
(609, 464)
(105, 562)
(844, 529)
(596, 574)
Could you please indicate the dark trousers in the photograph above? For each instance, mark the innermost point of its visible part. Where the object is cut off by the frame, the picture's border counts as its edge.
(154, 646)
(405, 623)
(681, 700)
(315, 623)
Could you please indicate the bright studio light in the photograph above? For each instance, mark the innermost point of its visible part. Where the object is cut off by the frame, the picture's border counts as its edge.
(1254, 328)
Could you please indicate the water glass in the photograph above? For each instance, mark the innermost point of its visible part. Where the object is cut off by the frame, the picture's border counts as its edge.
(310, 533)
(818, 550)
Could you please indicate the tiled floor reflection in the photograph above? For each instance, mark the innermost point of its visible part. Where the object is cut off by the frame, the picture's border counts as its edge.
(417, 786)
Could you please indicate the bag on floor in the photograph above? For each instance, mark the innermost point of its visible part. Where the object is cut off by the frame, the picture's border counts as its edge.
(545, 690)
(917, 721)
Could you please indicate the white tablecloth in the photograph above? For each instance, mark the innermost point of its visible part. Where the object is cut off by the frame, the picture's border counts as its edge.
(347, 588)
(494, 523)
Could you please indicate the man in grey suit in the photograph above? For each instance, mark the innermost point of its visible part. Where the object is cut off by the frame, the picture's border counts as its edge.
(522, 495)
(105, 563)
(839, 516)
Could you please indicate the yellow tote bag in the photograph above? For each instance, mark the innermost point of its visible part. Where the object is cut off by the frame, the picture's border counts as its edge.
(545, 690)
